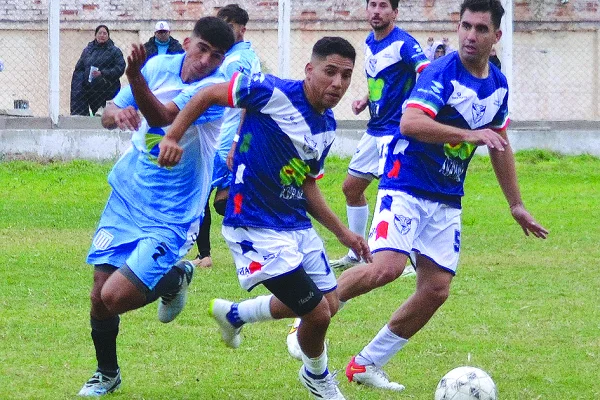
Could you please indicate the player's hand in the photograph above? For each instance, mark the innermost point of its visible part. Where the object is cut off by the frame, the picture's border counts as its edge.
(487, 137)
(135, 61)
(359, 105)
(357, 243)
(230, 154)
(170, 152)
(128, 119)
(527, 222)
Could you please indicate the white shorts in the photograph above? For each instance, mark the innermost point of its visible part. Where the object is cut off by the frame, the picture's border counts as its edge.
(260, 254)
(369, 159)
(404, 223)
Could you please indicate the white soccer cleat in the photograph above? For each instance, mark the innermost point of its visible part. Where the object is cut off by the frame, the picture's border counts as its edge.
(99, 385)
(323, 389)
(219, 310)
(171, 305)
(344, 262)
(370, 375)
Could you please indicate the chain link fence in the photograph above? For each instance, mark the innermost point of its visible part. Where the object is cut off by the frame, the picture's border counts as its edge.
(556, 72)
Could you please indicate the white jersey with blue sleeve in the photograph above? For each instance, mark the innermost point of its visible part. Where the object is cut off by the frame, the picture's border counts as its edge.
(283, 140)
(391, 65)
(447, 92)
(173, 195)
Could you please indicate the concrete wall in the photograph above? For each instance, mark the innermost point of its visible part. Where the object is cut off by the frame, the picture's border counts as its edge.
(84, 138)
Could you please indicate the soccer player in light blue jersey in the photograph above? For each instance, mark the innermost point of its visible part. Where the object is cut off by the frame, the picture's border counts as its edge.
(240, 58)
(459, 102)
(287, 132)
(393, 58)
(153, 213)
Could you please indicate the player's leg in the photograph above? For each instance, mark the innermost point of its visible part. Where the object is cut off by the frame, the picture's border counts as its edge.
(203, 259)
(363, 168)
(433, 284)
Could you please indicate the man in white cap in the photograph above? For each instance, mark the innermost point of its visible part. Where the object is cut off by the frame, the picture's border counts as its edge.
(162, 42)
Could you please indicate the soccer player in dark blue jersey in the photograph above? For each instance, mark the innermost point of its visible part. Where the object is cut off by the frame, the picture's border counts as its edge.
(393, 58)
(459, 102)
(286, 134)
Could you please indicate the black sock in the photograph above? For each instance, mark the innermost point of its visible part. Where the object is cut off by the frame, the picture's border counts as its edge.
(169, 283)
(104, 335)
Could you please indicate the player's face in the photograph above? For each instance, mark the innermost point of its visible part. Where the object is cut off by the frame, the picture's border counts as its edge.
(201, 59)
(380, 14)
(327, 79)
(476, 36)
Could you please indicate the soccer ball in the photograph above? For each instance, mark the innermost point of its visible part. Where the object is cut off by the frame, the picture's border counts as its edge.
(466, 383)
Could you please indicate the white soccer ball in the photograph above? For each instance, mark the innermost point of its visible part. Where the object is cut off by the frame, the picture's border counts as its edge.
(466, 383)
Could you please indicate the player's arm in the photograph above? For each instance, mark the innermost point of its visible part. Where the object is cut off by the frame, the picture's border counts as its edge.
(418, 124)
(170, 151)
(319, 209)
(156, 113)
(123, 118)
(359, 105)
(503, 163)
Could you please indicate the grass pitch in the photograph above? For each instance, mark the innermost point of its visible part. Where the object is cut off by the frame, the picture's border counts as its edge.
(525, 310)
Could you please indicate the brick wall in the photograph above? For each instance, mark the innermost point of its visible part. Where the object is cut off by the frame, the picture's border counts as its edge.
(309, 14)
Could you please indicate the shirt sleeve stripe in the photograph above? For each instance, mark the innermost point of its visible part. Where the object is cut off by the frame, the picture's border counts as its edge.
(423, 107)
(232, 90)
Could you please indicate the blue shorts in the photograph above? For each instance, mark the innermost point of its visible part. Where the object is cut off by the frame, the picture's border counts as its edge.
(221, 178)
(126, 236)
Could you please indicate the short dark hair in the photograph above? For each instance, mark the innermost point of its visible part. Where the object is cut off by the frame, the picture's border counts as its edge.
(102, 26)
(393, 3)
(233, 13)
(493, 6)
(334, 45)
(215, 31)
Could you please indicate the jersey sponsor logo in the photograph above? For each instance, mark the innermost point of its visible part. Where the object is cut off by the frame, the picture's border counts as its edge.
(153, 138)
(375, 88)
(402, 223)
(102, 239)
(291, 193)
(294, 172)
(453, 168)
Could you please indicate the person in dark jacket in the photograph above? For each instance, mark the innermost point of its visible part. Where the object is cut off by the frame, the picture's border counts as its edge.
(162, 42)
(96, 75)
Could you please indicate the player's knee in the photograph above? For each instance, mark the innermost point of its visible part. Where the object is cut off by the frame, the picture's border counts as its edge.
(385, 274)
(220, 206)
(319, 317)
(437, 293)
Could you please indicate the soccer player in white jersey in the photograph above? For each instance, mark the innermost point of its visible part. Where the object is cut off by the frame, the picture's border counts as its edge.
(240, 58)
(153, 213)
(393, 58)
(459, 102)
(287, 132)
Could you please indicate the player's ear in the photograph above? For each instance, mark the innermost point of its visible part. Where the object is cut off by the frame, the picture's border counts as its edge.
(186, 43)
(498, 35)
(308, 68)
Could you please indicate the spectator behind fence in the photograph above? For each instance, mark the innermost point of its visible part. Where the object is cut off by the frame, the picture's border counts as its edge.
(162, 42)
(437, 49)
(96, 76)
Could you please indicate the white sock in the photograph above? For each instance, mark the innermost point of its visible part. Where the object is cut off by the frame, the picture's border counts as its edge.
(358, 217)
(383, 347)
(256, 309)
(316, 366)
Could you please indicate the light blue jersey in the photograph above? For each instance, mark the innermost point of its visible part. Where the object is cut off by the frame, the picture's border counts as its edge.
(170, 195)
(240, 58)
(153, 213)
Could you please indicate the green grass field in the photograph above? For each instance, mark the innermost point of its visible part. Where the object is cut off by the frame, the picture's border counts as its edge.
(525, 310)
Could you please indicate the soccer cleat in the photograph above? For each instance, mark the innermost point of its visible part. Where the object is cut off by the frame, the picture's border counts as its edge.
(344, 262)
(225, 315)
(100, 384)
(171, 305)
(370, 375)
(324, 388)
(202, 262)
(292, 340)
